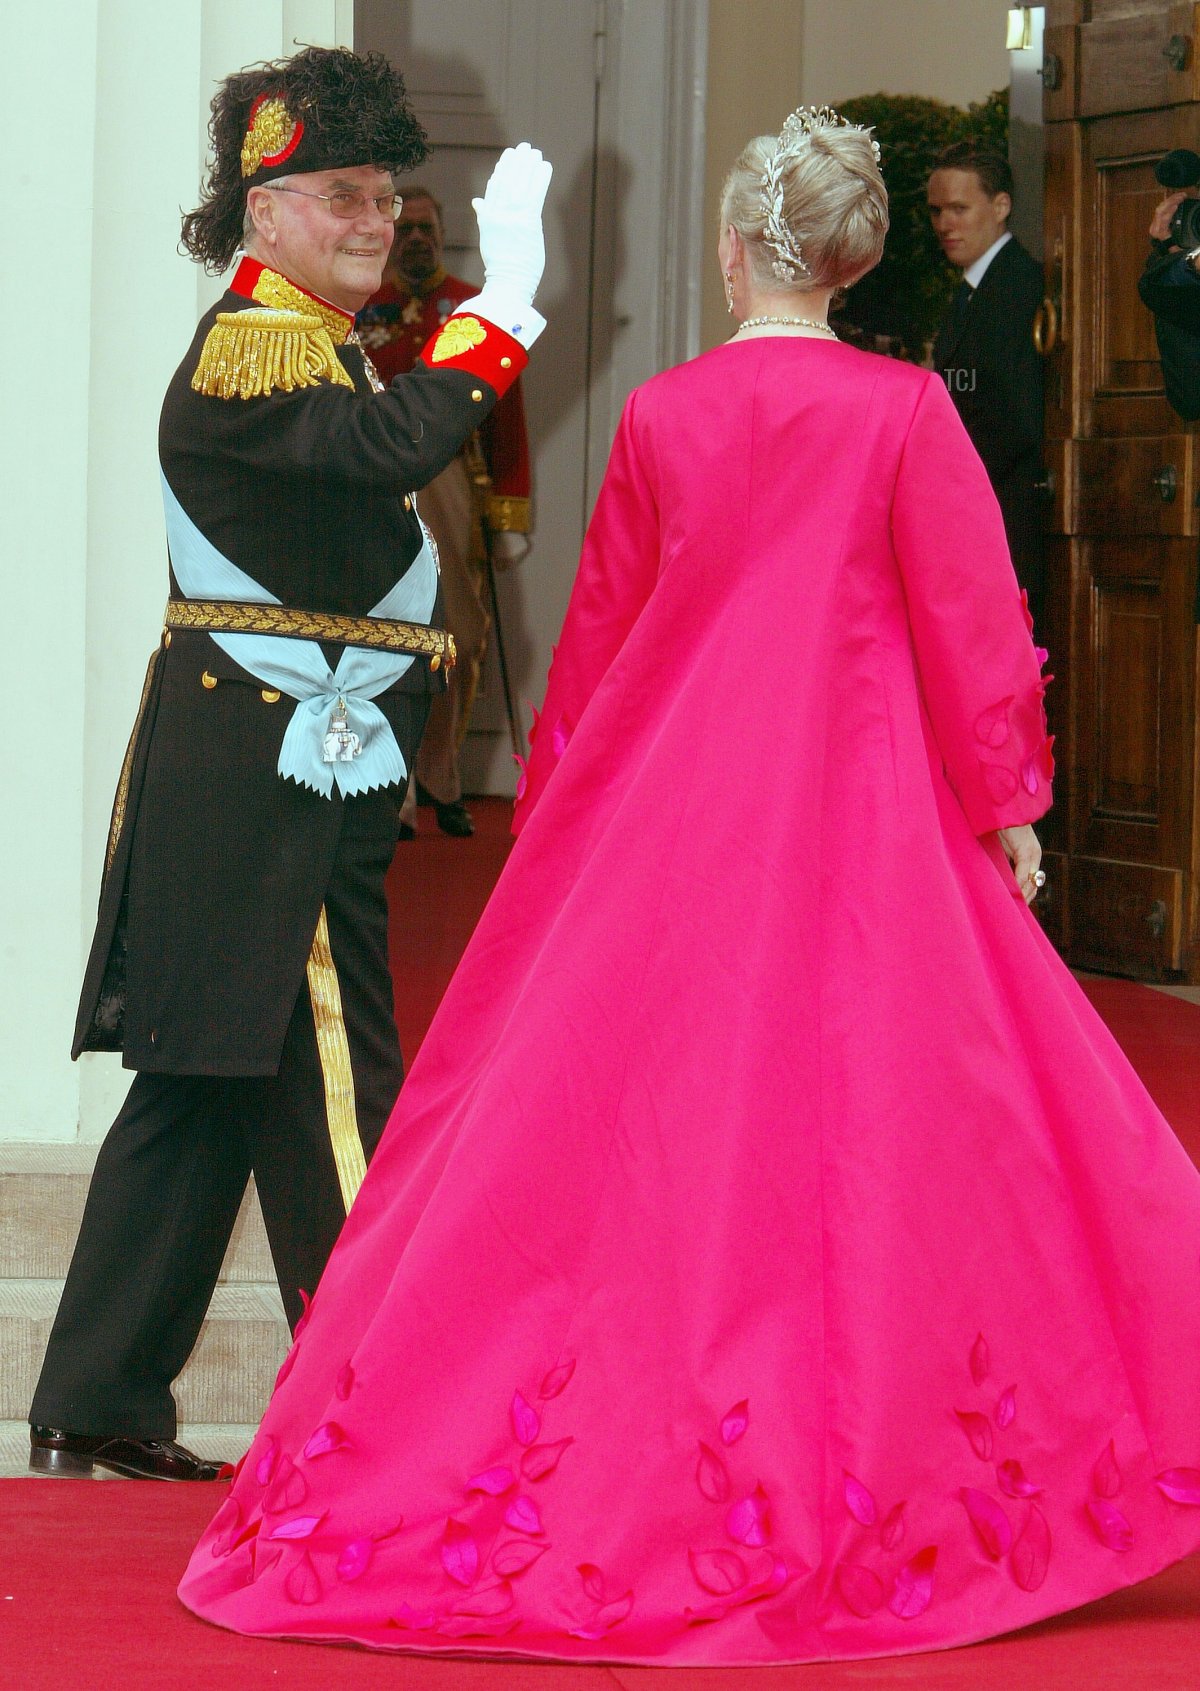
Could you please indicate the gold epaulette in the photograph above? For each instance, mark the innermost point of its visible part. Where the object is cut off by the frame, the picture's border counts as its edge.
(247, 353)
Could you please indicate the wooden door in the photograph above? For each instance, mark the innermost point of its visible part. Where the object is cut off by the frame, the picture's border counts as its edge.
(1121, 90)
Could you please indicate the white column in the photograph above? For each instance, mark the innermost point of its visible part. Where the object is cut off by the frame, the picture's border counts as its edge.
(47, 120)
(108, 112)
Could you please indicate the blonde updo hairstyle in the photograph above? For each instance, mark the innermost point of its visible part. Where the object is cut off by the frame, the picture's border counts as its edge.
(834, 205)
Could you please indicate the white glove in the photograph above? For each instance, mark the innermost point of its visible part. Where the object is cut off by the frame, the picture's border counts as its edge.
(511, 243)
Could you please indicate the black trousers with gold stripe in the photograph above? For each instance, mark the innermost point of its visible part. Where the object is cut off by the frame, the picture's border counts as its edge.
(170, 1176)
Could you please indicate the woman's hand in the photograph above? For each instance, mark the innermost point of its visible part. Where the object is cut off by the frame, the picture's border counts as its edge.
(1025, 854)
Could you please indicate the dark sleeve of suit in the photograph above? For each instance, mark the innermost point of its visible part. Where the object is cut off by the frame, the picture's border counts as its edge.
(1172, 292)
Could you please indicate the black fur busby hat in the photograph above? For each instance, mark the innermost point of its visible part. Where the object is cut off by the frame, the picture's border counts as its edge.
(325, 108)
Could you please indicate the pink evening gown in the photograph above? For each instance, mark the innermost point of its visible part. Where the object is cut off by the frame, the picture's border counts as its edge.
(771, 1257)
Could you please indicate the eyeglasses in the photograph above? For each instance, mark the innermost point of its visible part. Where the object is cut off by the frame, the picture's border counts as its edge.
(348, 202)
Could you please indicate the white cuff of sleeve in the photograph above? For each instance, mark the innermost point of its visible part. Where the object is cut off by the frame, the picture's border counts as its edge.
(508, 311)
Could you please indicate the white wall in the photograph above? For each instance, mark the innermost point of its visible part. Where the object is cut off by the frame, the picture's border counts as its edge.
(100, 307)
(948, 49)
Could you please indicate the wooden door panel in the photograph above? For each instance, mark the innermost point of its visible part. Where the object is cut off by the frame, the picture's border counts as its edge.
(1132, 486)
(1136, 59)
(1127, 918)
(1134, 730)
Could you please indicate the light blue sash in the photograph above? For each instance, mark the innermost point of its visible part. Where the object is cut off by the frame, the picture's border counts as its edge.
(299, 667)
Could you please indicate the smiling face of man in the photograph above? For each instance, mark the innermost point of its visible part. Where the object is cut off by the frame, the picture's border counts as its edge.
(340, 259)
(967, 220)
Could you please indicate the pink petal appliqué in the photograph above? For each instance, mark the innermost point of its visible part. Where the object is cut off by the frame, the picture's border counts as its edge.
(1029, 776)
(557, 1380)
(1181, 1485)
(1106, 1475)
(288, 1490)
(1010, 1477)
(523, 778)
(721, 1572)
(224, 1527)
(345, 1383)
(285, 1367)
(979, 1432)
(859, 1500)
(1025, 609)
(523, 1515)
(325, 1441)
(980, 1360)
(264, 1469)
(991, 727)
(891, 1533)
(540, 1460)
(992, 1526)
(488, 1601)
(300, 1526)
(609, 1616)
(734, 1424)
(413, 1620)
(560, 739)
(1000, 782)
(749, 1521)
(1045, 756)
(460, 1553)
(516, 1556)
(913, 1590)
(593, 1581)
(304, 1318)
(1031, 1552)
(1110, 1525)
(1006, 1408)
(712, 1476)
(526, 1422)
(1042, 655)
(355, 1558)
(302, 1584)
(860, 1590)
(493, 1482)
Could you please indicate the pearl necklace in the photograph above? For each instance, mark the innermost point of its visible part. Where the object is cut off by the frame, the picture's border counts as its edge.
(792, 322)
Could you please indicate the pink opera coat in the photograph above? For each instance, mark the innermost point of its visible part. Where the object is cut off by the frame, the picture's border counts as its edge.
(771, 1256)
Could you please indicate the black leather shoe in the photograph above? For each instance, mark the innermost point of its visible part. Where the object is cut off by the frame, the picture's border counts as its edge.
(74, 1455)
(454, 819)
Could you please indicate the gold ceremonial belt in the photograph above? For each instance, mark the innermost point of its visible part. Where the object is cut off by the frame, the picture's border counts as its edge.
(381, 634)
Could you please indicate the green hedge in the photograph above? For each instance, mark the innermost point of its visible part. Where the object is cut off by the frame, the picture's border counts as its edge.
(907, 295)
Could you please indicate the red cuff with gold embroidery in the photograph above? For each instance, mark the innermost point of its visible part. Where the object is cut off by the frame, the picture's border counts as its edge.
(470, 343)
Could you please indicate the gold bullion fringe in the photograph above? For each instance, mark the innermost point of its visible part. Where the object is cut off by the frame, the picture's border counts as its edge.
(333, 1052)
(248, 353)
(121, 801)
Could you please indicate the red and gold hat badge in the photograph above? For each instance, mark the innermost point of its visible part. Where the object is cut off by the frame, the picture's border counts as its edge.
(272, 135)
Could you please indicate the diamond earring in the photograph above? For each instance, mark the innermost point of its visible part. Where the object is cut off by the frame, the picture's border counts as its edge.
(729, 291)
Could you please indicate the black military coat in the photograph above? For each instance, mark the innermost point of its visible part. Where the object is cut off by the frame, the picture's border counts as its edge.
(993, 373)
(217, 867)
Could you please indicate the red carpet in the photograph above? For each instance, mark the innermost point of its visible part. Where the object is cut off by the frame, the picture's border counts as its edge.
(88, 1572)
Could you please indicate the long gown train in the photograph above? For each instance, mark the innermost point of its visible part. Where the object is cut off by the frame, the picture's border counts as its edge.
(771, 1256)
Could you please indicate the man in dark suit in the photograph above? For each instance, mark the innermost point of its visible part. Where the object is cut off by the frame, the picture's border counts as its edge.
(984, 350)
(240, 961)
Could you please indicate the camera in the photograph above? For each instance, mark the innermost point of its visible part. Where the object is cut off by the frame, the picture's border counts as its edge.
(1181, 169)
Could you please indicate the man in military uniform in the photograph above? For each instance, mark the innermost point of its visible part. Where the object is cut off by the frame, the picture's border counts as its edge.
(240, 958)
(478, 508)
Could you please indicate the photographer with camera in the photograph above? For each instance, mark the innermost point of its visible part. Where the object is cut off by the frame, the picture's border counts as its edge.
(1170, 283)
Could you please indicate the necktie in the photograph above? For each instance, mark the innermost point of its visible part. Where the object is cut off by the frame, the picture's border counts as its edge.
(962, 297)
